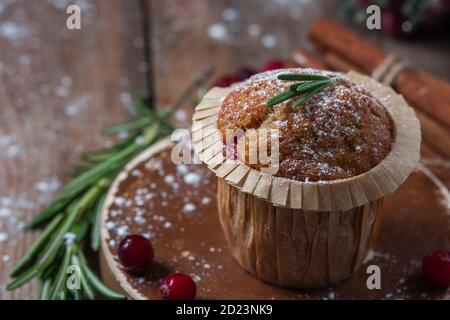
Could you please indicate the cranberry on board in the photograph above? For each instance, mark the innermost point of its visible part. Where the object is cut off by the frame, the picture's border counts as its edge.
(178, 286)
(436, 268)
(273, 65)
(245, 73)
(391, 23)
(226, 81)
(136, 254)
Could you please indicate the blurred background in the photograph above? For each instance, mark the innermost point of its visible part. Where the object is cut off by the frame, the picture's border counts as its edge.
(59, 87)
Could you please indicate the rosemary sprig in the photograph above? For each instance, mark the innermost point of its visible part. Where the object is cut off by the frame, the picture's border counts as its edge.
(76, 212)
(308, 85)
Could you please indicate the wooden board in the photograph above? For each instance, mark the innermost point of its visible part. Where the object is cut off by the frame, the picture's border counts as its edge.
(58, 88)
(190, 35)
(187, 237)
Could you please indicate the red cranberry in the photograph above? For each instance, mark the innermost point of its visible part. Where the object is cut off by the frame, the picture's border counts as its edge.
(436, 268)
(226, 81)
(439, 8)
(178, 286)
(362, 4)
(136, 254)
(273, 65)
(391, 23)
(244, 73)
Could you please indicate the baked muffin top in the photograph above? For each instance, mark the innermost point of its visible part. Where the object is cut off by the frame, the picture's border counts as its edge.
(340, 132)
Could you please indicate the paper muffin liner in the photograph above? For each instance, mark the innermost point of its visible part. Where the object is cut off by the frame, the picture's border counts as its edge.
(296, 248)
(304, 234)
(340, 194)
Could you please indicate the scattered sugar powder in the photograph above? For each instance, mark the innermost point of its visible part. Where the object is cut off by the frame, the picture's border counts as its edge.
(13, 31)
(3, 236)
(6, 258)
(69, 238)
(120, 201)
(192, 178)
(148, 235)
(169, 179)
(167, 225)
(206, 200)
(140, 220)
(254, 30)
(115, 213)
(218, 31)
(110, 225)
(269, 41)
(136, 173)
(189, 207)
(76, 105)
(181, 115)
(51, 185)
(5, 212)
(122, 230)
(182, 169)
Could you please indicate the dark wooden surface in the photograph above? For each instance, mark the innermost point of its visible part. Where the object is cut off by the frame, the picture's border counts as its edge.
(59, 87)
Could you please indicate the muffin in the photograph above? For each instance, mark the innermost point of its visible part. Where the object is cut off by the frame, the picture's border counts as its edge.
(341, 132)
(313, 218)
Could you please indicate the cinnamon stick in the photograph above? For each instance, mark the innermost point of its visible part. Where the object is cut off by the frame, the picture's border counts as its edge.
(336, 62)
(336, 38)
(306, 60)
(362, 55)
(434, 134)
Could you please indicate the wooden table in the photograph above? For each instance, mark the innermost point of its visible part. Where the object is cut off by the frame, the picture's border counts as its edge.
(59, 87)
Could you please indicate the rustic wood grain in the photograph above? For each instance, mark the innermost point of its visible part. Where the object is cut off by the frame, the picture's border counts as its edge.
(58, 88)
(183, 44)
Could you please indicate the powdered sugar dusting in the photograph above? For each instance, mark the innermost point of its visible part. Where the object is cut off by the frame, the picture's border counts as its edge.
(341, 131)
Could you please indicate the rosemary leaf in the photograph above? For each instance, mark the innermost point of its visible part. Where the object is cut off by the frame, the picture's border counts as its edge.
(304, 98)
(86, 287)
(23, 278)
(294, 87)
(281, 97)
(113, 163)
(95, 282)
(306, 87)
(76, 294)
(128, 126)
(96, 157)
(80, 229)
(73, 213)
(309, 85)
(53, 208)
(45, 289)
(61, 296)
(47, 257)
(95, 229)
(62, 275)
(120, 145)
(79, 169)
(33, 251)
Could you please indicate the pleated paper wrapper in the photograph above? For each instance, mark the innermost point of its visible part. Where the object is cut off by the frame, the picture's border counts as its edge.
(304, 234)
